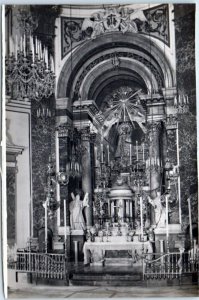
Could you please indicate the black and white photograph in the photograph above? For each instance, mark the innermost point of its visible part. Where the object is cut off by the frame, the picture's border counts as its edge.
(100, 185)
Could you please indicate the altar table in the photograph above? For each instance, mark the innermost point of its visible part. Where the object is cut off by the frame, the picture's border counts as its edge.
(95, 251)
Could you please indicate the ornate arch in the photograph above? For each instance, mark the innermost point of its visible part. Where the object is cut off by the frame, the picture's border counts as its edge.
(142, 51)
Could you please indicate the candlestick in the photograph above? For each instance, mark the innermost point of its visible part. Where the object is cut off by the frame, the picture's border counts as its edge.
(190, 221)
(167, 222)
(46, 228)
(141, 216)
(65, 228)
(130, 155)
(137, 150)
(143, 151)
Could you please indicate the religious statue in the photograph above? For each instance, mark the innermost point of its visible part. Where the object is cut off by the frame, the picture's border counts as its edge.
(159, 209)
(76, 207)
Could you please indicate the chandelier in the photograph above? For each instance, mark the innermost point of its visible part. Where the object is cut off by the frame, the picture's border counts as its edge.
(181, 102)
(29, 68)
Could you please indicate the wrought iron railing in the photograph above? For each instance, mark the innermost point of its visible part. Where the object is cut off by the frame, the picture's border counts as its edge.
(170, 265)
(42, 265)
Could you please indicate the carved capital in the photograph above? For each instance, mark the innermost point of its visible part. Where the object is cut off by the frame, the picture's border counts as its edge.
(154, 127)
(64, 130)
(85, 134)
(171, 122)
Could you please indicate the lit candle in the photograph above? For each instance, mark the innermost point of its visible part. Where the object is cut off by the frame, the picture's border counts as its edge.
(143, 151)
(130, 155)
(190, 220)
(108, 154)
(137, 150)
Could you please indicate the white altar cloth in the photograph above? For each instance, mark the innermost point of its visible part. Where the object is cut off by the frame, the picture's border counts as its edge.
(95, 251)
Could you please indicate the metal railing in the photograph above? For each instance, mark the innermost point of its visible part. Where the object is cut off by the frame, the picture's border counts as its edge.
(170, 265)
(42, 265)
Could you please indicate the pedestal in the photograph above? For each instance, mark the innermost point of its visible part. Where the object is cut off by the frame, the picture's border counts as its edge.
(77, 243)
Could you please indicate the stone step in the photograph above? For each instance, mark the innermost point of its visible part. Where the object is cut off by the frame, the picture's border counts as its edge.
(107, 277)
(107, 283)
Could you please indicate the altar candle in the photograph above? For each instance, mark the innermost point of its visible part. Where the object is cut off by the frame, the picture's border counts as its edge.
(24, 45)
(46, 58)
(190, 220)
(108, 154)
(52, 65)
(10, 45)
(130, 155)
(167, 220)
(143, 151)
(46, 228)
(21, 44)
(141, 216)
(137, 150)
(33, 51)
(16, 46)
(36, 47)
(65, 235)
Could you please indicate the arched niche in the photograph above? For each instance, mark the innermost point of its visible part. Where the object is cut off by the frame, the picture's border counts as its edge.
(135, 43)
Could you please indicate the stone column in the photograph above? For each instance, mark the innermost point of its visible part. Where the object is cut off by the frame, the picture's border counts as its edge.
(86, 173)
(62, 145)
(64, 133)
(154, 160)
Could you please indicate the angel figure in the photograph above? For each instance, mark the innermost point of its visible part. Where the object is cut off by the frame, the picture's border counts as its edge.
(76, 207)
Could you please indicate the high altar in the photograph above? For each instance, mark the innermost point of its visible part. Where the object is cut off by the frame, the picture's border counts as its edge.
(103, 158)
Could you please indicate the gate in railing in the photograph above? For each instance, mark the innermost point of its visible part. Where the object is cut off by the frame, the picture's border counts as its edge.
(42, 265)
(170, 265)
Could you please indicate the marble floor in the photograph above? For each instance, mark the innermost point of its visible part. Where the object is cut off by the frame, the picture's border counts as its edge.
(24, 290)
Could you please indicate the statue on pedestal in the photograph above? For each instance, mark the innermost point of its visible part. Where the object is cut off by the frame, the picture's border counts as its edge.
(159, 209)
(76, 207)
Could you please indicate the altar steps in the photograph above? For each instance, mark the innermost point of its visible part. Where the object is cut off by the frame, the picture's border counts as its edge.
(107, 276)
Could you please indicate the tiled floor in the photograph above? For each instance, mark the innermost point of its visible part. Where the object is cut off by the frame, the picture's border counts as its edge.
(24, 290)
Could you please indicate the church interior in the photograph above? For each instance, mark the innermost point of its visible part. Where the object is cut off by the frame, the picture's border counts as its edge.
(101, 146)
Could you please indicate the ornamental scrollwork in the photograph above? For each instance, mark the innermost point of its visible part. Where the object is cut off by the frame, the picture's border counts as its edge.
(153, 21)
